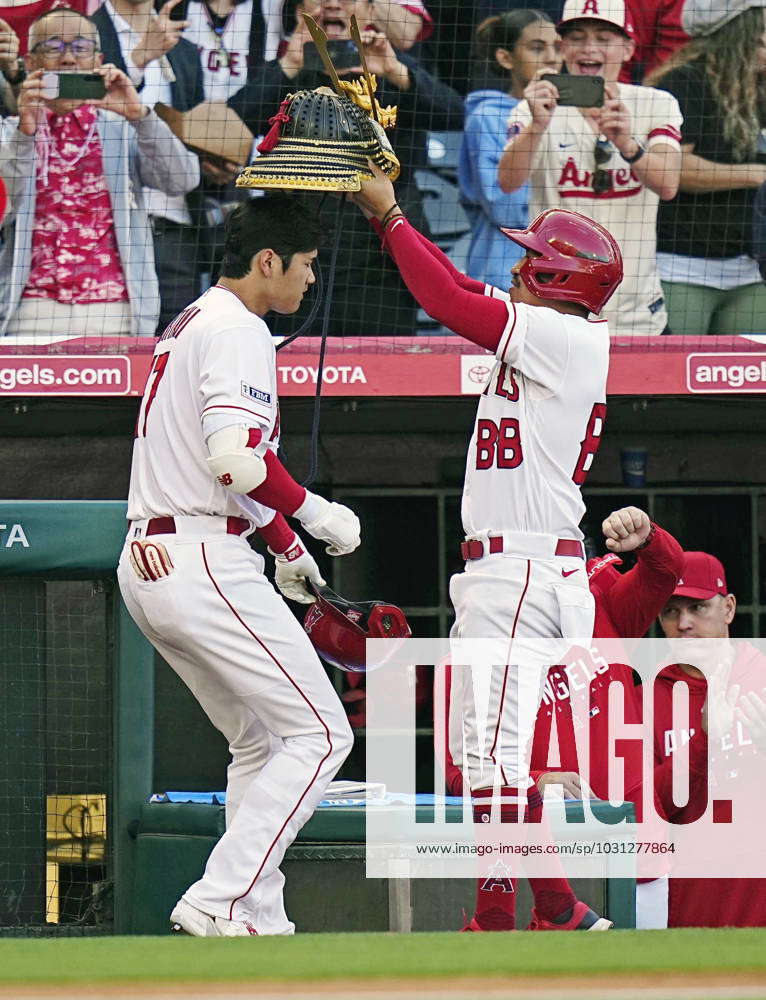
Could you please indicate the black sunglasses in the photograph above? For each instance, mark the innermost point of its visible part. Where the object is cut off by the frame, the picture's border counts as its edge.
(602, 179)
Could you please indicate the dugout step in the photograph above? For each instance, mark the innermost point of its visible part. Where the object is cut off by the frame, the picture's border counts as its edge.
(326, 888)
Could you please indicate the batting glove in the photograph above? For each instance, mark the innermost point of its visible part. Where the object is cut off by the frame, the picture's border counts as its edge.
(294, 567)
(330, 522)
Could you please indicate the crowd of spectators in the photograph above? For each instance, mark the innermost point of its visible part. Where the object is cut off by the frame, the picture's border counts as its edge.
(114, 225)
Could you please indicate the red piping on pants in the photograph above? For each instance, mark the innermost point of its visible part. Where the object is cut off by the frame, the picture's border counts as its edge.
(319, 718)
(505, 673)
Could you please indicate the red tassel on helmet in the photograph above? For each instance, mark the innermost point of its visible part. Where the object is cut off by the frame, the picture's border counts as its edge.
(271, 138)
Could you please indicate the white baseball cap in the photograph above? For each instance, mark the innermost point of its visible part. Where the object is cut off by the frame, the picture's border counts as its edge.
(612, 12)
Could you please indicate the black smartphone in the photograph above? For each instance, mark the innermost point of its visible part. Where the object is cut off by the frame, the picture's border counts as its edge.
(342, 51)
(578, 91)
(74, 86)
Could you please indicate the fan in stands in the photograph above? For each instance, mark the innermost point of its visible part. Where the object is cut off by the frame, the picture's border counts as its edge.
(338, 628)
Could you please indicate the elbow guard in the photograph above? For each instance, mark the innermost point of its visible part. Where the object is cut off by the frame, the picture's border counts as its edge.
(232, 460)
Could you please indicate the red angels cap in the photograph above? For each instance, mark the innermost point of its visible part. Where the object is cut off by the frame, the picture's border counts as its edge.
(702, 577)
(612, 12)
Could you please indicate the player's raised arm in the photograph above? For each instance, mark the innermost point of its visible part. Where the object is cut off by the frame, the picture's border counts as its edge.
(437, 288)
(639, 595)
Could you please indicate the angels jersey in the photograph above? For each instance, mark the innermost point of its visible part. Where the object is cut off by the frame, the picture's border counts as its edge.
(562, 177)
(538, 424)
(224, 55)
(215, 362)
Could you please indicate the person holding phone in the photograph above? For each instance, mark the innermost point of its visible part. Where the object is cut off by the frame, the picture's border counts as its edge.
(77, 256)
(382, 307)
(166, 69)
(705, 237)
(613, 161)
(509, 50)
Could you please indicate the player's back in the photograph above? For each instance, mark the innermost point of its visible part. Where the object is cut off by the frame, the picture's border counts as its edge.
(216, 357)
(538, 425)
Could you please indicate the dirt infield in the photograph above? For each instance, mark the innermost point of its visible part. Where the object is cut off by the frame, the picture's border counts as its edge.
(632, 987)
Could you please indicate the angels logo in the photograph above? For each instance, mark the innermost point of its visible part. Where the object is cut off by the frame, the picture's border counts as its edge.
(495, 884)
(354, 616)
(312, 617)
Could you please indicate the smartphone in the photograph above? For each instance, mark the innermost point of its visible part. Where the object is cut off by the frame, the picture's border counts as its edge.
(342, 51)
(73, 86)
(578, 91)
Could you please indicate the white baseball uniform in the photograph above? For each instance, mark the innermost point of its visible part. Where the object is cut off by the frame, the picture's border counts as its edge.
(537, 429)
(205, 605)
(562, 177)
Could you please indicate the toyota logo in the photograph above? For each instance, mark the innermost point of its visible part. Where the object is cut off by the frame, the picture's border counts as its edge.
(478, 374)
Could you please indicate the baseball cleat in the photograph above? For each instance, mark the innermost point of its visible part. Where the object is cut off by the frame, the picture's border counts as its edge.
(472, 925)
(582, 918)
(499, 920)
(187, 919)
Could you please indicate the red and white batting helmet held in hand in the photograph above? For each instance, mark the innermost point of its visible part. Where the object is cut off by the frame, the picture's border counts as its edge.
(572, 259)
(338, 628)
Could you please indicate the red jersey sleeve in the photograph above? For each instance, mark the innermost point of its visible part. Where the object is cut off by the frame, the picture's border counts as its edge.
(277, 534)
(635, 600)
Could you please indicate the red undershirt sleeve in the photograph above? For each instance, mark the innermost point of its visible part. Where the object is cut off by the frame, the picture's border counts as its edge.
(470, 284)
(277, 534)
(279, 490)
(473, 315)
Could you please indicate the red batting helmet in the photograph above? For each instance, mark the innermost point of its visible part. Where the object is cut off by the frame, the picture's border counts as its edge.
(338, 628)
(574, 259)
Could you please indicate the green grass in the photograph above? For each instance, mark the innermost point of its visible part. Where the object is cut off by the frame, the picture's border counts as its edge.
(308, 957)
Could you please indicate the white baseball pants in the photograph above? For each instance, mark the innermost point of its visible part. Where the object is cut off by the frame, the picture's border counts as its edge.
(228, 634)
(504, 598)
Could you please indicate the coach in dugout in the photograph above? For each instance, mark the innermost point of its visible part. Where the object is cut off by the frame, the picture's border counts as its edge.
(77, 254)
(612, 163)
(702, 608)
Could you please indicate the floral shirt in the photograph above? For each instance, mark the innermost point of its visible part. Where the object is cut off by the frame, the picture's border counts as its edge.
(75, 258)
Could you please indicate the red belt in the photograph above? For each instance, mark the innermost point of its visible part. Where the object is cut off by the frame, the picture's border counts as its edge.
(474, 549)
(167, 526)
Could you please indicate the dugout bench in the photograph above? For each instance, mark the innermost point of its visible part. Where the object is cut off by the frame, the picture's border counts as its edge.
(174, 839)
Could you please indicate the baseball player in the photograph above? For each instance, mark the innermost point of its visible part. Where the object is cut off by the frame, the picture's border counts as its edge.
(205, 473)
(537, 429)
(613, 163)
(626, 604)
